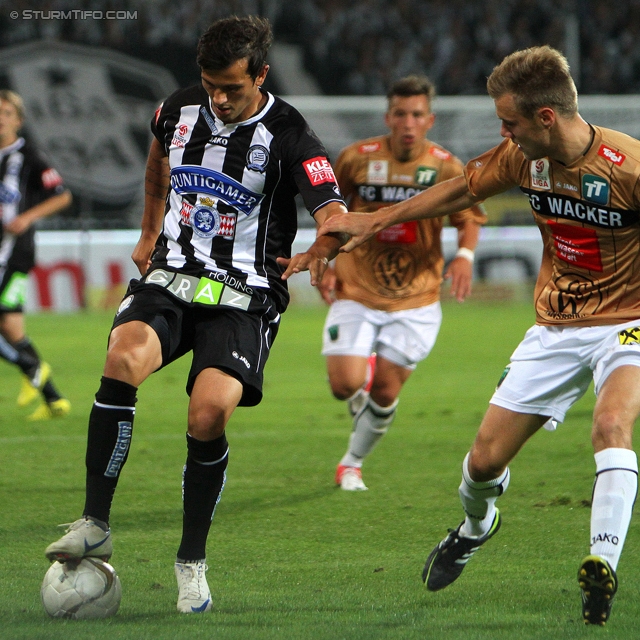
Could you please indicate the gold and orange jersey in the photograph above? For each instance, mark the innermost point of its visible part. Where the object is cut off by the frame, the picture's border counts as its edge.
(401, 267)
(588, 215)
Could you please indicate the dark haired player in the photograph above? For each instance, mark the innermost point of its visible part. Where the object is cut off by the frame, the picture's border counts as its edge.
(225, 164)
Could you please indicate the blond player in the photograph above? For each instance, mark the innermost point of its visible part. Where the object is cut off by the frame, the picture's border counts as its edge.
(583, 183)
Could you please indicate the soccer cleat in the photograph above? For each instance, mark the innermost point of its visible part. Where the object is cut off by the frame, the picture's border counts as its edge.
(27, 394)
(55, 409)
(84, 538)
(446, 562)
(350, 478)
(599, 584)
(31, 387)
(193, 591)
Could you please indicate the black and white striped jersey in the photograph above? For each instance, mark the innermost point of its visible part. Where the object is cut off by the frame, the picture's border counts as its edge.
(231, 206)
(26, 179)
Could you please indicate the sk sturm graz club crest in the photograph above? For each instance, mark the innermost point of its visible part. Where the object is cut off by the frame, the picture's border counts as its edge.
(89, 109)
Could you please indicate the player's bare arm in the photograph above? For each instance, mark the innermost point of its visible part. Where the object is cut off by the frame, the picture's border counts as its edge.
(316, 258)
(156, 186)
(47, 208)
(440, 200)
(460, 269)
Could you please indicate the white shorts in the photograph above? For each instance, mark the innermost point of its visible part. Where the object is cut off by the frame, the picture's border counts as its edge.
(553, 366)
(403, 337)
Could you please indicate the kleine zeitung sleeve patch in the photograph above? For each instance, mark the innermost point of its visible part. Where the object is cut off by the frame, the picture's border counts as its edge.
(51, 178)
(319, 170)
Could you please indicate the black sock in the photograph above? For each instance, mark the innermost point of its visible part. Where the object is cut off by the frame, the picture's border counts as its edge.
(29, 363)
(203, 480)
(27, 359)
(26, 346)
(49, 392)
(110, 428)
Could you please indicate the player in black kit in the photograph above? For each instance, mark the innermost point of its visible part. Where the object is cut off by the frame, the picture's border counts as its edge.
(225, 164)
(30, 189)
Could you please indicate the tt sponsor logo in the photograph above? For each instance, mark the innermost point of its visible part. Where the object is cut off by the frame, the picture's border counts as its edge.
(595, 189)
(426, 176)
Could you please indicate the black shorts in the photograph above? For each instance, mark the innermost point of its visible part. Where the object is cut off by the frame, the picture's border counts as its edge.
(236, 342)
(13, 290)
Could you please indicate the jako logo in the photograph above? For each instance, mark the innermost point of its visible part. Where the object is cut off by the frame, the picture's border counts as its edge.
(605, 537)
(237, 356)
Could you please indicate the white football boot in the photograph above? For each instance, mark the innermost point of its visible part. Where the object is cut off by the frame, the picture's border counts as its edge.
(84, 538)
(350, 478)
(193, 591)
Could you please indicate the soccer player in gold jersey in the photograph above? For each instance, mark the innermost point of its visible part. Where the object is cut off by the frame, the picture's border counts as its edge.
(385, 295)
(583, 183)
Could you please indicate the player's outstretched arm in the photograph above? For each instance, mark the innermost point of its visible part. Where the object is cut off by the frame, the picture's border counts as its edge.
(316, 258)
(440, 200)
(156, 186)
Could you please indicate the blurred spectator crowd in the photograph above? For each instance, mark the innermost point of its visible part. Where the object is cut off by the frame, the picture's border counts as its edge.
(361, 46)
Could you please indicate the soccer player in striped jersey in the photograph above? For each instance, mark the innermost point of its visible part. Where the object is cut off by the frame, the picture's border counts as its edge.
(583, 184)
(226, 162)
(30, 189)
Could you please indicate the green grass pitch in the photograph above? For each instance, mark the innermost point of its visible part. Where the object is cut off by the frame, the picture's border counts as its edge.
(291, 556)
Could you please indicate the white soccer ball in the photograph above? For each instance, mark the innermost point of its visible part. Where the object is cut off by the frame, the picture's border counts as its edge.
(81, 590)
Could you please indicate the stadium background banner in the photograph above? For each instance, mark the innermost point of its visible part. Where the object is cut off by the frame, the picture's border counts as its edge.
(78, 269)
(89, 109)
